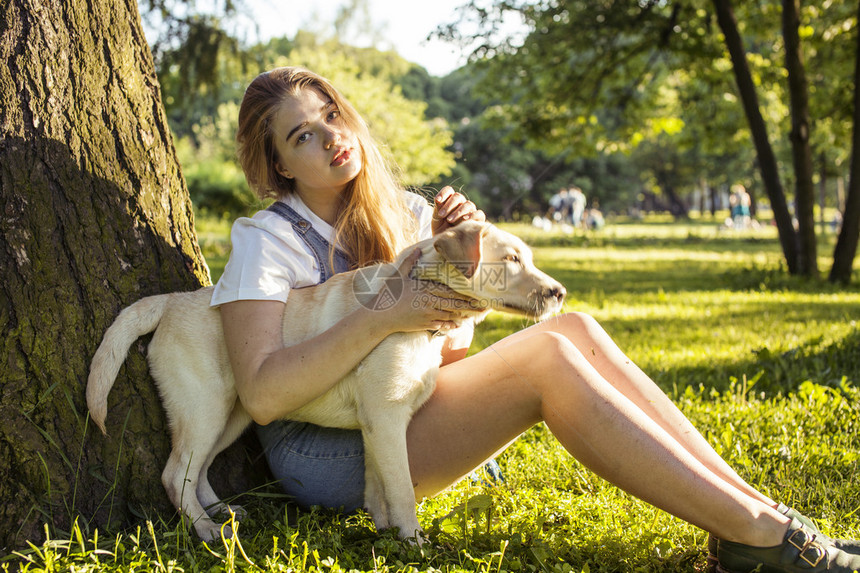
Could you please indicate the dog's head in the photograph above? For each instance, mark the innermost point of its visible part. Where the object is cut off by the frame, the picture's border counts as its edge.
(492, 266)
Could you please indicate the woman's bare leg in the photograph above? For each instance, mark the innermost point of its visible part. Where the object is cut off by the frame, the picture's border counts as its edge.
(615, 367)
(485, 401)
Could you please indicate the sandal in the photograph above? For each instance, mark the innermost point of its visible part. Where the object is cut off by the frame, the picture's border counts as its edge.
(846, 545)
(801, 551)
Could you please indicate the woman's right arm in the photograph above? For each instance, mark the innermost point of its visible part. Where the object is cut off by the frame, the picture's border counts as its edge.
(273, 380)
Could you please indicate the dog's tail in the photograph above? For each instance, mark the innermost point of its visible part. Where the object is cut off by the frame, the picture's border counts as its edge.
(136, 320)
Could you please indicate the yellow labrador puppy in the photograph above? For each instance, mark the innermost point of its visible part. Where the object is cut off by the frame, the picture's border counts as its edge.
(188, 360)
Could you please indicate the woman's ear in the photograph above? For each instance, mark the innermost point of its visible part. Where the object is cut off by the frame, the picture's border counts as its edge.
(283, 172)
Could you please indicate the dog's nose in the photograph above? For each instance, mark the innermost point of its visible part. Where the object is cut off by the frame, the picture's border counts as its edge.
(557, 292)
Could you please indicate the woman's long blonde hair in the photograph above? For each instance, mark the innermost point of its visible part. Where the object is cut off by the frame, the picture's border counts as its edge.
(373, 223)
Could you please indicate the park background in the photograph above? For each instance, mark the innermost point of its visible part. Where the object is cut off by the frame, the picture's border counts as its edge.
(642, 106)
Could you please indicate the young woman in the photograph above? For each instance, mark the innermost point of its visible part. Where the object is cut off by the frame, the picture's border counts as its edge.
(338, 207)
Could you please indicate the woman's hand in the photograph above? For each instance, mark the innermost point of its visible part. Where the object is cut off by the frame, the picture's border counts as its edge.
(419, 305)
(451, 208)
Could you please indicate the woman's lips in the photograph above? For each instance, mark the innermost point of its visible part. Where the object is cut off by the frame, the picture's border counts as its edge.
(340, 158)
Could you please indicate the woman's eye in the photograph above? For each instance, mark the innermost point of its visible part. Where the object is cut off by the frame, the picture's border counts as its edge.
(333, 115)
(303, 137)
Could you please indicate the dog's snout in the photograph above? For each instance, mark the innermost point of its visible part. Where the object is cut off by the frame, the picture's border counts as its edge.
(556, 292)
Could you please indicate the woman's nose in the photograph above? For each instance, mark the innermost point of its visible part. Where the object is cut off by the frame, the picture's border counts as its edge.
(332, 138)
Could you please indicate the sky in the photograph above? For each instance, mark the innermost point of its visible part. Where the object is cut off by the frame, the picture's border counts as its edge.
(405, 25)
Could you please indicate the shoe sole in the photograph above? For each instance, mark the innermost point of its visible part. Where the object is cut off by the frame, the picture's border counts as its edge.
(717, 568)
(720, 569)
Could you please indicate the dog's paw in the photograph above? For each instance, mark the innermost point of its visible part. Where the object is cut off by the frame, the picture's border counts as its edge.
(210, 531)
(375, 506)
(380, 521)
(418, 540)
(238, 511)
(411, 534)
(225, 511)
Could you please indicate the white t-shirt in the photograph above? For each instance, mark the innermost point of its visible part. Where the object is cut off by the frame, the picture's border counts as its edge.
(268, 258)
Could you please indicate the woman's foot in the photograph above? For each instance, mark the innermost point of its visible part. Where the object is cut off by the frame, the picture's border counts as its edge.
(794, 514)
(801, 551)
(847, 545)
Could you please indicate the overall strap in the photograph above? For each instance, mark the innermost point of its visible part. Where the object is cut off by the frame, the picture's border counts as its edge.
(315, 242)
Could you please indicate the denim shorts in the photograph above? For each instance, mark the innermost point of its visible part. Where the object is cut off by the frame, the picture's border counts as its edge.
(316, 465)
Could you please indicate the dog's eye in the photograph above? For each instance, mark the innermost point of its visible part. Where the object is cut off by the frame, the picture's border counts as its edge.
(511, 258)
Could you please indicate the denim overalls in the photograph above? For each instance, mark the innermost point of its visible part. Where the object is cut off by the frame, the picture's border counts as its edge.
(315, 465)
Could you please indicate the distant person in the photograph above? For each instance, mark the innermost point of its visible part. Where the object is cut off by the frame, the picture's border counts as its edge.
(577, 205)
(559, 204)
(594, 220)
(740, 203)
(836, 222)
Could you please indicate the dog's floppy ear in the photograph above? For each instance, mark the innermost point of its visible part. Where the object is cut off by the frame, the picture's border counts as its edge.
(461, 247)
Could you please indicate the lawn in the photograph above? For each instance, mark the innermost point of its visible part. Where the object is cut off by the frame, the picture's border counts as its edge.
(767, 366)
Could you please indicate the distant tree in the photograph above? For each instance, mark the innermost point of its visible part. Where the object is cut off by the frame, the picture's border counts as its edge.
(768, 165)
(846, 244)
(192, 44)
(798, 90)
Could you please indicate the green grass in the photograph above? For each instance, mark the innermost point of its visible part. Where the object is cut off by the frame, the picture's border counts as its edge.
(767, 366)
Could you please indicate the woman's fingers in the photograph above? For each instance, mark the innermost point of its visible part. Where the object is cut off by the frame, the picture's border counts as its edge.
(451, 208)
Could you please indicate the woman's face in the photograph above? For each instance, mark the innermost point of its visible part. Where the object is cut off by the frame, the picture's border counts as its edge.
(315, 147)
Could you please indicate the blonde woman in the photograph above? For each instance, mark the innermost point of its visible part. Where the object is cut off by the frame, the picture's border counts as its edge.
(338, 207)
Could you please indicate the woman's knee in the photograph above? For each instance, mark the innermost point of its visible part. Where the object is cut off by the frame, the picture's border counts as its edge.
(550, 350)
(578, 320)
(547, 352)
(576, 325)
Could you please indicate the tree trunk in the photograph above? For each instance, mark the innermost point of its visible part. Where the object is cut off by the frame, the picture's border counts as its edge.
(822, 193)
(95, 215)
(715, 196)
(801, 153)
(766, 158)
(677, 207)
(846, 244)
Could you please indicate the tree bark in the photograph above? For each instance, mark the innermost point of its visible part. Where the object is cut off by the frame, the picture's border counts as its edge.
(804, 203)
(95, 215)
(766, 158)
(846, 244)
